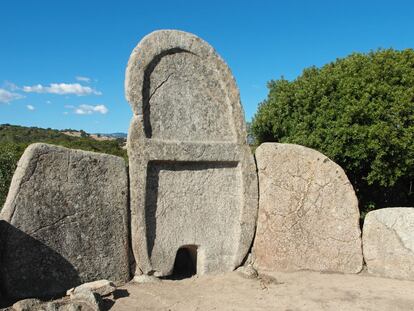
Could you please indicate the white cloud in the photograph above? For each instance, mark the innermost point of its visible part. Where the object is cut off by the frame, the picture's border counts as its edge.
(83, 79)
(35, 89)
(89, 109)
(10, 86)
(6, 96)
(62, 89)
(30, 107)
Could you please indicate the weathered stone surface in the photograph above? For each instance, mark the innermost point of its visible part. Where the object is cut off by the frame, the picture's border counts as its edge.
(193, 179)
(308, 212)
(64, 222)
(82, 300)
(27, 305)
(101, 287)
(144, 278)
(388, 242)
(248, 272)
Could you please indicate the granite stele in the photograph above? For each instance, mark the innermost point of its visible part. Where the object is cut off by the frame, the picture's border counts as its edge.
(192, 176)
(308, 212)
(64, 223)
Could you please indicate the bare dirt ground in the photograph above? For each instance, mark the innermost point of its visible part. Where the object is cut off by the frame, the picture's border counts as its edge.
(271, 291)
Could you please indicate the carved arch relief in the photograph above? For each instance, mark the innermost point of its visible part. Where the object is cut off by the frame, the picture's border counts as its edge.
(183, 91)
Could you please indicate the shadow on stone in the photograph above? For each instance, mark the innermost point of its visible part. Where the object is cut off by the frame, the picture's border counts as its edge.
(108, 303)
(151, 197)
(29, 268)
(146, 95)
(185, 265)
(120, 293)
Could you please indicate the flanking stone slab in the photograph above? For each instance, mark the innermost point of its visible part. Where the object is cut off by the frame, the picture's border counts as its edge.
(193, 178)
(388, 242)
(64, 222)
(308, 212)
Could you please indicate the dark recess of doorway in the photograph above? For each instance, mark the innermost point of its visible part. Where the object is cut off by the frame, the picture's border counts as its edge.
(185, 265)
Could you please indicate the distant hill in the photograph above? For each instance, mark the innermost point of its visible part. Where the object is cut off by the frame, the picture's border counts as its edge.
(14, 139)
(96, 136)
(116, 135)
(68, 138)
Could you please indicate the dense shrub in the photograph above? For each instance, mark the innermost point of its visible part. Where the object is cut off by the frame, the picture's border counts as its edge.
(359, 111)
(9, 155)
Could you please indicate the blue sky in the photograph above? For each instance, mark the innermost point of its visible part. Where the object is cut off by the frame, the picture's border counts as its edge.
(62, 63)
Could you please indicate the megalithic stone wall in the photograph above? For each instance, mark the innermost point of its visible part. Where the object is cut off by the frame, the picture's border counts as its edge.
(308, 212)
(193, 178)
(65, 222)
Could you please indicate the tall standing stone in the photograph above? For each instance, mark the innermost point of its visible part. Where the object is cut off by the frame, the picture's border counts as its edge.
(193, 178)
(308, 212)
(388, 242)
(65, 222)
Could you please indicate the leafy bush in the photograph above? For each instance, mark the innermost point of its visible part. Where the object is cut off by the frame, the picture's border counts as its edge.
(9, 155)
(359, 111)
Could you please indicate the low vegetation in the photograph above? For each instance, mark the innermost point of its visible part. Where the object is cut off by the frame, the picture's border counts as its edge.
(15, 139)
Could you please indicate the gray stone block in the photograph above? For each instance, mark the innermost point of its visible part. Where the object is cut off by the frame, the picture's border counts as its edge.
(64, 222)
(193, 178)
(308, 212)
(388, 242)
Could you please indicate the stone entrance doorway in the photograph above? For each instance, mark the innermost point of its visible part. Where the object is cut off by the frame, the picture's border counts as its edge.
(185, 265)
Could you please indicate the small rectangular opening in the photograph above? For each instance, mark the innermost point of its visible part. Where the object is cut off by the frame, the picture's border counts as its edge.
(185, 265)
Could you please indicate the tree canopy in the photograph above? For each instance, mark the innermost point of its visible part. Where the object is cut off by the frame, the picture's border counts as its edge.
(359, 111)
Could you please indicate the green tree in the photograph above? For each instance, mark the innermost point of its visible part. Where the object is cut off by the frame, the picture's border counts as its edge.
(359, 111)
(9, 155)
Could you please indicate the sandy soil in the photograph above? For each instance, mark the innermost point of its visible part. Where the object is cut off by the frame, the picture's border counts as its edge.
(271, 291)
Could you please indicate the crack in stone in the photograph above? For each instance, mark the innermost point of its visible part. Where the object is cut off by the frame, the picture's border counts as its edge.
(400, 240)
(146, 86)
(159, 86)
(68, 167)
(52, 224)
(394, 231)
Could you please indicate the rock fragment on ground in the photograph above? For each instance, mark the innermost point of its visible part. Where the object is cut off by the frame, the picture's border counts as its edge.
(144, 278)
(82, 300)
(101, 287)
(248, 272)
(27, 304)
